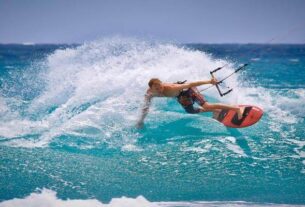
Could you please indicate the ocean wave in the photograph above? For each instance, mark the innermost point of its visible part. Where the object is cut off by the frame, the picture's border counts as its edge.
(95, 91)
(49, 198)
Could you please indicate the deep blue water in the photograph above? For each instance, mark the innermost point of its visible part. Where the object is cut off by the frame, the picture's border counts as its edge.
(68, 114)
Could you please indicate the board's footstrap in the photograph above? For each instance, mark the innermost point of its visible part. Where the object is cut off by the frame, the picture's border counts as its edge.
(237, 121)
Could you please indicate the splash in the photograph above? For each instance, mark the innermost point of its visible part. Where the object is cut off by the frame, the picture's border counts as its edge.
(94, 92)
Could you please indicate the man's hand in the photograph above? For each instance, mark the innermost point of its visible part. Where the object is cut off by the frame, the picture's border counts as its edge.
(213, 81)
(140, 124)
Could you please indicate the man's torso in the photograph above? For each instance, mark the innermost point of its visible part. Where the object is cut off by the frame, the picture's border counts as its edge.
(170, 90)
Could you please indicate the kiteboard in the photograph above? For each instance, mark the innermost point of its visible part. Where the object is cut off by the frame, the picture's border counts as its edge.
(229, 118)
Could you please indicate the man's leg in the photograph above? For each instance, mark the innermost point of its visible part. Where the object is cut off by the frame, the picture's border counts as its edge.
(215, 108)
(209, 107)
(200, 100)
(215, 111)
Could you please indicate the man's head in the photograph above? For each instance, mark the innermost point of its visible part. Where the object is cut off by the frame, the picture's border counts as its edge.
(155, 85)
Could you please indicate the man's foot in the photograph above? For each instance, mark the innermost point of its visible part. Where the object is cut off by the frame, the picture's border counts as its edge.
(240, 112)
(139, 125)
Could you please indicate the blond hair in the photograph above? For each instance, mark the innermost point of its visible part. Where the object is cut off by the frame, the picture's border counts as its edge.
(153, 81)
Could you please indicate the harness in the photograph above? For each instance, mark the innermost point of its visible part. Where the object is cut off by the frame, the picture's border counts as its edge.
(185, 96)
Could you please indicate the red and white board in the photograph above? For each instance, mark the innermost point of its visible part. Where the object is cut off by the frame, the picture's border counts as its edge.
(229, 118)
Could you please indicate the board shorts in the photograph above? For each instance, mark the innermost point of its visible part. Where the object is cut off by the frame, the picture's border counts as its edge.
(188, 97)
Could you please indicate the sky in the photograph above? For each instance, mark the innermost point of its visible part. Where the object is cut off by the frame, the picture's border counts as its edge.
(181, 21)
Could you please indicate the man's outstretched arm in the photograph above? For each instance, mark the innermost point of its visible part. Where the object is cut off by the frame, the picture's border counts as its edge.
(145, 109)
(196, 83)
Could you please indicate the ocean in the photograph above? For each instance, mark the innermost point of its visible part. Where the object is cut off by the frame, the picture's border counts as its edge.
(68, 135)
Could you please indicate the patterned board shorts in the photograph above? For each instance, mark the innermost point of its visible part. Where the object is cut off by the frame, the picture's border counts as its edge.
(187, 99)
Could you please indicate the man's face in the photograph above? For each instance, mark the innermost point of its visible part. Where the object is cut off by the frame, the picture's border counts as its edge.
(157, 87)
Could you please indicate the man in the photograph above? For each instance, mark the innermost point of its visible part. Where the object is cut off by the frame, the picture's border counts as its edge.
(186, 94)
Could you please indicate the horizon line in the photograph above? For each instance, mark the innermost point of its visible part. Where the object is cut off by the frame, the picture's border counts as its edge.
(187, 43)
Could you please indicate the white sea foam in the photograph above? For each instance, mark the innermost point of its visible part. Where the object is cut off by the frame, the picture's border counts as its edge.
(231, 145)
(299, 143)
(131, 147)
(298, 150)
(295, 60)
(49, 198)
(28, 43)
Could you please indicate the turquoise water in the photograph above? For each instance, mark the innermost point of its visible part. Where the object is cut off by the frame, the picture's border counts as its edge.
(68, 114)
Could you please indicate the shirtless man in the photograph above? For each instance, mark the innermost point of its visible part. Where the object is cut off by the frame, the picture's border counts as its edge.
(187, 94)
